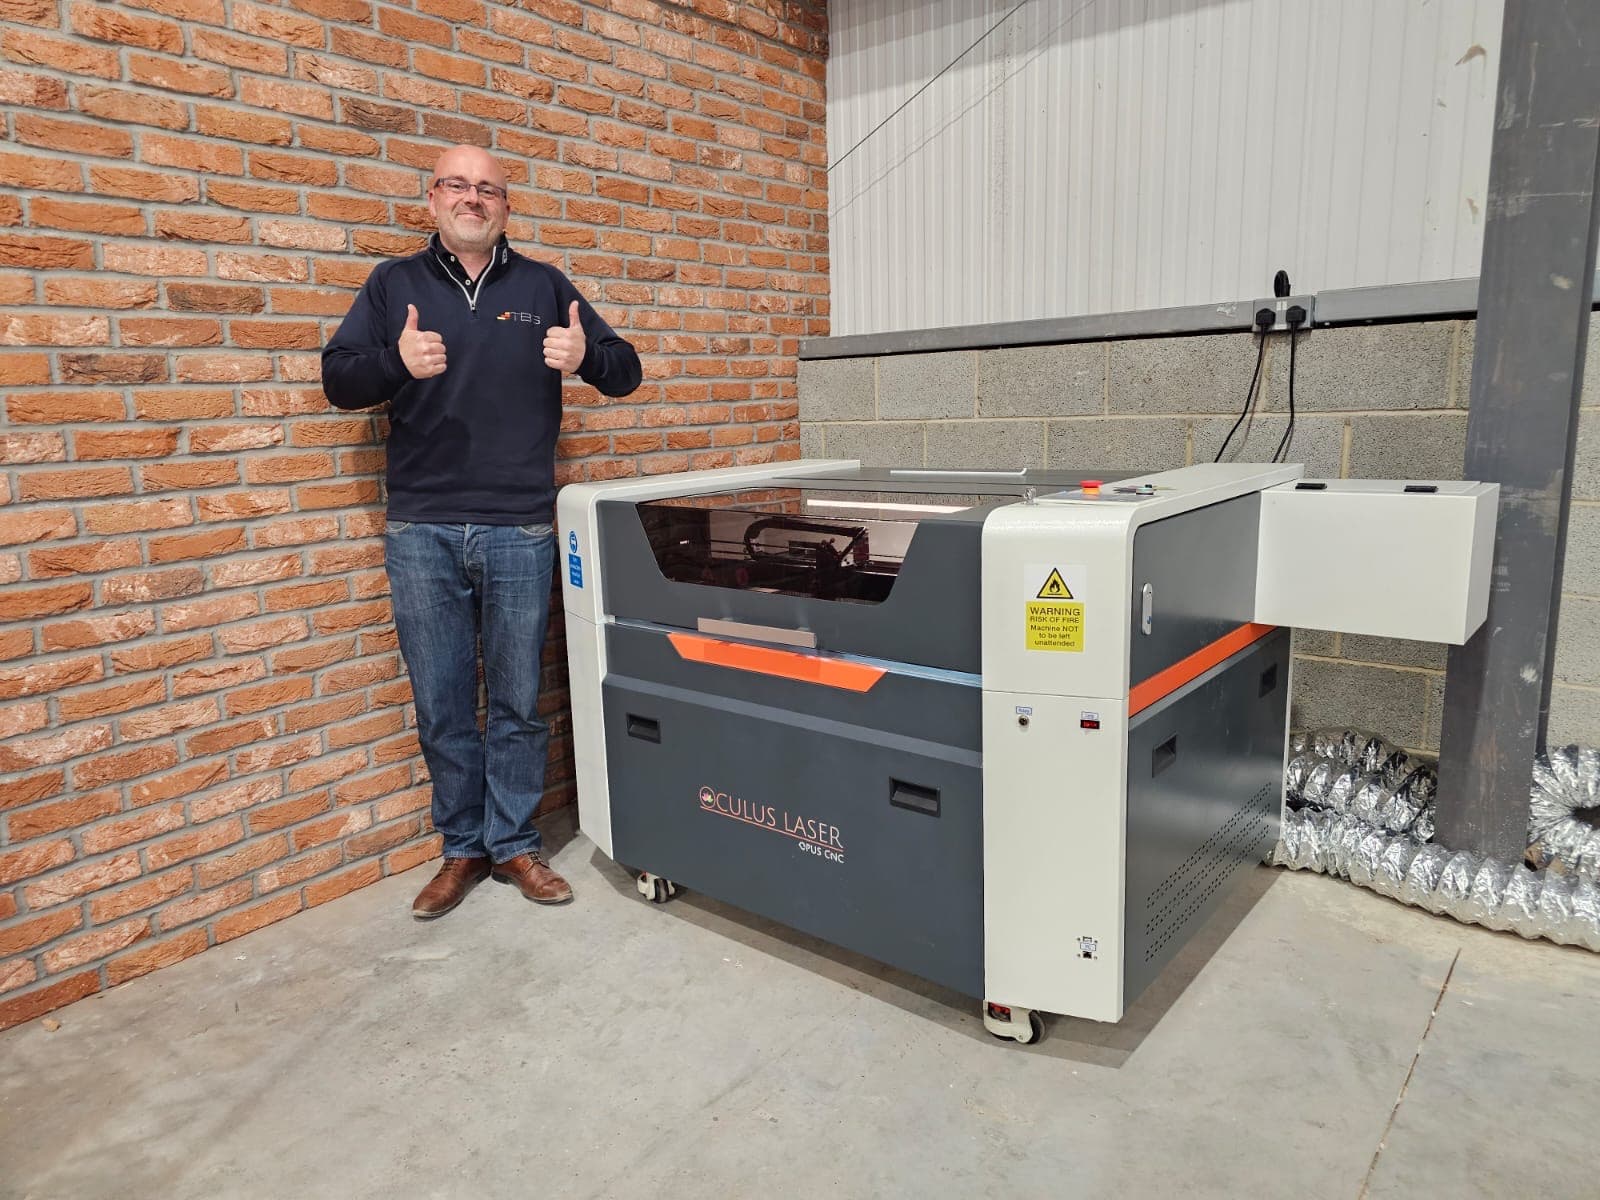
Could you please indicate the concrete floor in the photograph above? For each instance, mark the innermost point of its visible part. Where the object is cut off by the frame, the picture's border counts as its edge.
(612, 1048)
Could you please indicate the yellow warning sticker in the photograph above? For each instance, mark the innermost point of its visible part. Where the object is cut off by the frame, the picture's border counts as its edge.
(1053, 619)
(1055, 588)
(1054, 625)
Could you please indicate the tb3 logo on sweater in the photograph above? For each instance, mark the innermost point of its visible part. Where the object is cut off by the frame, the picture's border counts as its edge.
(524, 318)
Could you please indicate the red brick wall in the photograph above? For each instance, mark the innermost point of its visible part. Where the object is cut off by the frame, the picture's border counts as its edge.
(204, 724)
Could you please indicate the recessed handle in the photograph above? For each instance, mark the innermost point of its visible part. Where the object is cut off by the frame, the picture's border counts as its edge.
(914, 796)
(1269, 681)
(1163, 756)
(646, 729)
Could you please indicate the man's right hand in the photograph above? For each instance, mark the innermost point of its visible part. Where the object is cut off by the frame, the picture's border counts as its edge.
(421, 351)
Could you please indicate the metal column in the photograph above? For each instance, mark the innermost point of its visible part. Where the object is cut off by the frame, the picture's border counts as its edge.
(1533, 318)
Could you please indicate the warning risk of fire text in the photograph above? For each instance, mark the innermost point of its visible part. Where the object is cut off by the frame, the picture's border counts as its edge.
(1055, 625)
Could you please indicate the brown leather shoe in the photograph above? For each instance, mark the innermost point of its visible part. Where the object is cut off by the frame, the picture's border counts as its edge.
(533, 875)
(456, 877)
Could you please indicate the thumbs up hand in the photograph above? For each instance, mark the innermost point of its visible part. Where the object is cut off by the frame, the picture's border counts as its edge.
(421, 351)
(564, 345)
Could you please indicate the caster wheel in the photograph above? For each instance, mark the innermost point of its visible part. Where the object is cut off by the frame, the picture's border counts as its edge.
(654, 888)
(1020, 1025)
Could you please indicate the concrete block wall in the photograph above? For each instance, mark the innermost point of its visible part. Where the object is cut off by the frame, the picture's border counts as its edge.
(204, 722)
(1377, 401)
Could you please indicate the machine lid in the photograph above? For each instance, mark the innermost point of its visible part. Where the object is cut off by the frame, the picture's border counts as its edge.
(843, 545)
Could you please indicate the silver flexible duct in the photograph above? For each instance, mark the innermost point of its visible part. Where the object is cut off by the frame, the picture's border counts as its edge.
(1361, 809)
(1565, 782)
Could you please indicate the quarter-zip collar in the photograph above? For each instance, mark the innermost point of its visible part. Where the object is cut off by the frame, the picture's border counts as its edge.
(453, 270)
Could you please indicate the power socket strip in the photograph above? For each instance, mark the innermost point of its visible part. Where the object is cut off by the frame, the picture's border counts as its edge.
(1280, 306)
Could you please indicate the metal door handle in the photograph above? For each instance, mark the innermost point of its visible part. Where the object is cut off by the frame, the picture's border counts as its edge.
(1147, 607)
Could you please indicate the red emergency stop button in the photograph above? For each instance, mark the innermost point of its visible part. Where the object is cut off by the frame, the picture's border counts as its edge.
(1090, 485)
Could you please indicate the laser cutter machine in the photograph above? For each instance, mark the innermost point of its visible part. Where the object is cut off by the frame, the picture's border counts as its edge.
(1016, 733)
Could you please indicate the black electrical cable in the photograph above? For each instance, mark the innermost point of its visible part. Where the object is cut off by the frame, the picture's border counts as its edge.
(1283, 445)
(1295, 317)
(1255, 380)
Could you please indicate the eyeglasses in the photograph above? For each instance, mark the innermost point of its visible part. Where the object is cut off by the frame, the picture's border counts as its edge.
(454, 186)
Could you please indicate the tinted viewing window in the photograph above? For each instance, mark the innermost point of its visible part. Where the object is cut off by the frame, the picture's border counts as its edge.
(829, 545)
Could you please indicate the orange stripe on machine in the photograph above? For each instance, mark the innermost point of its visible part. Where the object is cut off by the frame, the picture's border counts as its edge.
(786, 664)
(1163, 683)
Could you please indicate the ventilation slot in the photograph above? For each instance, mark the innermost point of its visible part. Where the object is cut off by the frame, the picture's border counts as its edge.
(1183, 894)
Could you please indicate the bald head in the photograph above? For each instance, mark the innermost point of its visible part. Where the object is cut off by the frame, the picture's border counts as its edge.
(469, 162)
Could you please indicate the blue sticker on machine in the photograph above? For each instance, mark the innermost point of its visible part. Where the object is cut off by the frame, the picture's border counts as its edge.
(572, 540)
(575, 570)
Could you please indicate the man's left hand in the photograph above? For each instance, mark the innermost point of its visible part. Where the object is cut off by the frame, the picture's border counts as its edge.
(564, 347)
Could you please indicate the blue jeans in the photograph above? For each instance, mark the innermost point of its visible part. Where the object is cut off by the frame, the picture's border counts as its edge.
(453, 586)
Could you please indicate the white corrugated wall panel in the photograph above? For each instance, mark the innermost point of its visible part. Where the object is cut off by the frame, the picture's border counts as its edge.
(1012, 161)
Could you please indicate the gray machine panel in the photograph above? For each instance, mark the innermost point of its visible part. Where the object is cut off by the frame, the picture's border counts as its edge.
(1205, 786)
(1202, 567)
(929, 480)
(798, 804)
(931, 616)
(899, 704)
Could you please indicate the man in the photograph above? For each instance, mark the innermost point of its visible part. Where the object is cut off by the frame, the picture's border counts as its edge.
(467, 342)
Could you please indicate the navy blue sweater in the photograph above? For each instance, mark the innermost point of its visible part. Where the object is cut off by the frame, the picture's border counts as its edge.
(476, 444)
